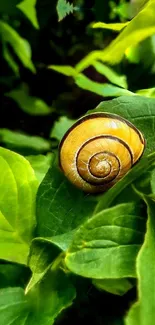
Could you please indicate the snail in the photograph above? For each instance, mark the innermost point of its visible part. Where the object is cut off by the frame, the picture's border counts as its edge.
(98, 150)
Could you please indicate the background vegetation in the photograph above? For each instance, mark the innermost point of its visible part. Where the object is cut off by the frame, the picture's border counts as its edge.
(58, 60)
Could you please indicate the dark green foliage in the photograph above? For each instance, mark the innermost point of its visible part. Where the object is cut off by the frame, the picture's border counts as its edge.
(60, 247)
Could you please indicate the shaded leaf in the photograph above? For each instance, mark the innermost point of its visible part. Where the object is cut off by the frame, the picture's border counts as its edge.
(10, 60)
(17, 140)
(41, 306)
(29, 104)
(20, 46)
(114, 286)
(45, 253)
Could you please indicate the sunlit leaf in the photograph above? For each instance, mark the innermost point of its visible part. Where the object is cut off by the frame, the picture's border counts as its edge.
(29, 10)
(113, 26)
(18, 186)
(149, 92)
(138, 29)
(67, 70)
(105, 89)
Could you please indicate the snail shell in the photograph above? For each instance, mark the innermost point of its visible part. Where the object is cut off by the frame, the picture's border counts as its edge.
(98, 150)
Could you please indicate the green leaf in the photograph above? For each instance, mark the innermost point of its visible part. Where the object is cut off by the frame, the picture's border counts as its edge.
(132, 53)
(29, 104)
(64, 8)
(138, 29)
(20, 46)
(138, 110)
(29, 10)
(149, 92)
(106, 246)
(67, 70)
(41, 306)
(16, 140)
(40, 165)
(105, 89)
(10, 60)
(61, 207)
(115, 286)
(60, 127)
(152, 181)
(143, 311)
(101, 68)
(44, 254)
(13, 275)
(18, 187)
(113, 26)
(110, 74)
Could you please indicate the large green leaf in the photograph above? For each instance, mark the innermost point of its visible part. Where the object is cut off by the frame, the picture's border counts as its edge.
(29, 10)
(29, 104)
(18, 187)
(143, 312)
(60, 206)
(106, 246)
(138, 29)
(20, 46)
(41, 306)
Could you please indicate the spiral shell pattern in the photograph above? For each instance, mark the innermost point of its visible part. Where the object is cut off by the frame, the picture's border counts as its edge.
(98, 150)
